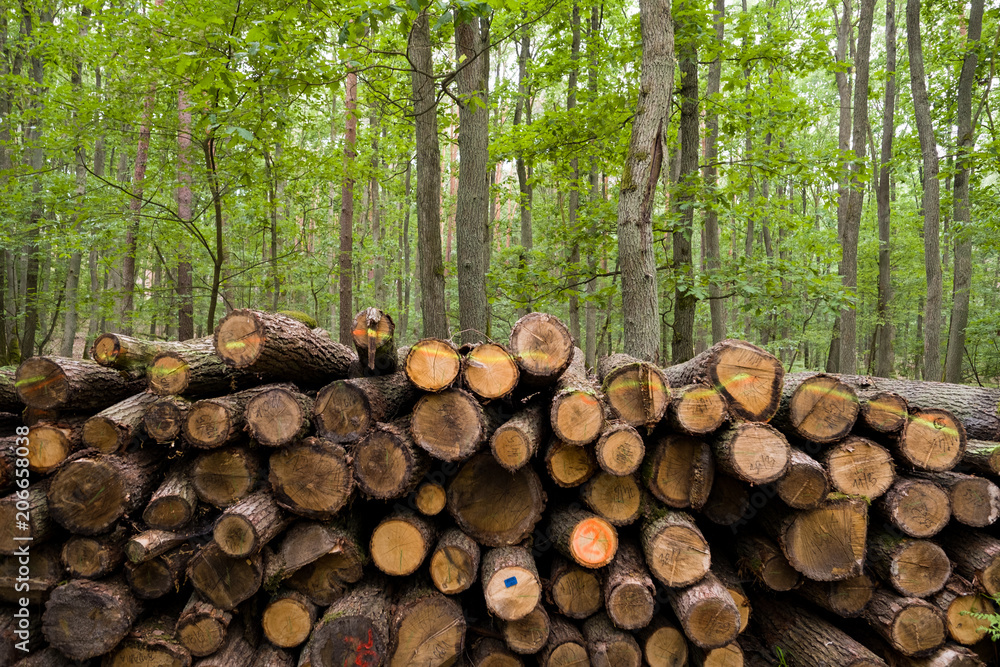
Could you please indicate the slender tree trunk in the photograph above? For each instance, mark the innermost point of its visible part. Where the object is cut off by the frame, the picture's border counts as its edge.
(884, 361)
(218, 258)
(931, 198)
(522, 110)
(711, 240)
(126, 308)
(404, 318)
(472, 206)
(852, 221)
(76, 258)
(346, 267)
(638, 186)
(963, 241)
(276, 186)
(36, 161)
(682, 344)
(377, 274)
(93, 258)
(574, 187)
(185, 284)
(431, 284)
(590, 345)
(6, 102)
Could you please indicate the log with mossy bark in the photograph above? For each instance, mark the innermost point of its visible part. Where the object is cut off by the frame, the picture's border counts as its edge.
(277, 347)
(9, 400)
(128, 353)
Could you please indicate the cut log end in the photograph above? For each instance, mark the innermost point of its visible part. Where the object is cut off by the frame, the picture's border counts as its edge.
(398, 547)
(932, 440)
(676, 551)
(593, 542)
(527, 635)
(884, 412)
(342, 412)
(919, 508)
(163, 420)
(41, 383)
(828, 543)
(49, 445)
(542, 346)
(386, 464)
(753, 452)
(452, 569)
(569, 465)
(240, 338)
(617, 499)
(224, 476)
(681, 471)
(430, 498)
(577, 417)
(430, 631)
(312, 478)
(102, 434)
(433, 364)
(805, 485)
(822, 409)
(88, 495)
(638, 393)
(208, 424)
(859, 467)
(449, 425)
(510, 583)
(620, 450)
(168, 376)
(287, 621)
(576, 591)
(489, 371)
(697, 409)
(510, 448)
(919, 568)
(750, 378)
(665, 646)
(277, 416)
(917, 629)
(106, 349)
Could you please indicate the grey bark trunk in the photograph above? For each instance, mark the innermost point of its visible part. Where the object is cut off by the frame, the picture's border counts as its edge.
(6, 95)
(590, 345)
(346, 310)
(884, 360)
(185, 284)
(711, 241)
(472, 214)
(432, 307)
(404, 318)
(931, 198)
(641, 174)
(522, 110)
(852, 221)
(682, 343)
(963, 242)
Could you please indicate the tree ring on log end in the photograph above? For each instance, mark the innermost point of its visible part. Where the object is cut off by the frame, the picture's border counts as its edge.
(448, 425)
(106, 349)
(87, 493)
(493, 506)
(932, 440)
(239, 339)
(275, 416)
(432, 364)
(41, 383)
(751, 379)
(542, 345)
(823, 409)
(918, 629)
(859, 467)
(920, 568)
(208, 424)
(635, 604)
(666, 647)
(620, 450)
(579, 416)
(398, 547)
(286, 622)
(638, 393)
(48, 446)
(342, 412)
(885, 412)
(168, 374)
(490, 371)
(101, 434)
(512, 592)
(569, 654)
(432, 633)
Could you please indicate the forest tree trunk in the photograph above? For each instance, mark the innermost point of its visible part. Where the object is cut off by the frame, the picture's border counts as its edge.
(711, 231)
(931, 198)
(432, 306)
(346, 310)
(963, 238)
(884, 361)
(472, 207)
(641, 173)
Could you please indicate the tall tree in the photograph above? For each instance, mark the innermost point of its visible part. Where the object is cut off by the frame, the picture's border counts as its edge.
(930, 200)
(185, 296)
(710, 242)
(682, 344)
(574, 186)
(640, 313)
(472, 213)
(6, 104)
(345, 263)
(852, 221)
(963, 241)
(432, 307)
(522, 116)
(884, 361)
(593, 50)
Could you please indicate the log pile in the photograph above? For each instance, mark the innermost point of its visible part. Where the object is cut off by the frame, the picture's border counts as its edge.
(268, 497)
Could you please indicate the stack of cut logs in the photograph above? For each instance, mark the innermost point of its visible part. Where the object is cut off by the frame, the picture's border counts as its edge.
(269, 497)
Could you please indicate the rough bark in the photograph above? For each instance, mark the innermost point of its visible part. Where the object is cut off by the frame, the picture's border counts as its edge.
(39, 525)
(173, 504)
(976, 556)
(346, 219)
(975, 501)
(710, 233)
(432, 300)
(52, 383)
(215, 422)
(962, 281)
(473, 201)
(884, 359)
(762, 558)
(628, 589)
(223, 580)
(201, 627)
(278, 347)
(244, 528)
(707, 613)
(159, 576)
(565, 645)
(355, 629)
(194, 369)
(94, 557)
(114, 428)
(959, 600)
(151, 642)
(912, 626)
(847, 598)
(639, 179)
(164, 419)
(983, 456)
(930, 201)
(609, 646)
(808, 640)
